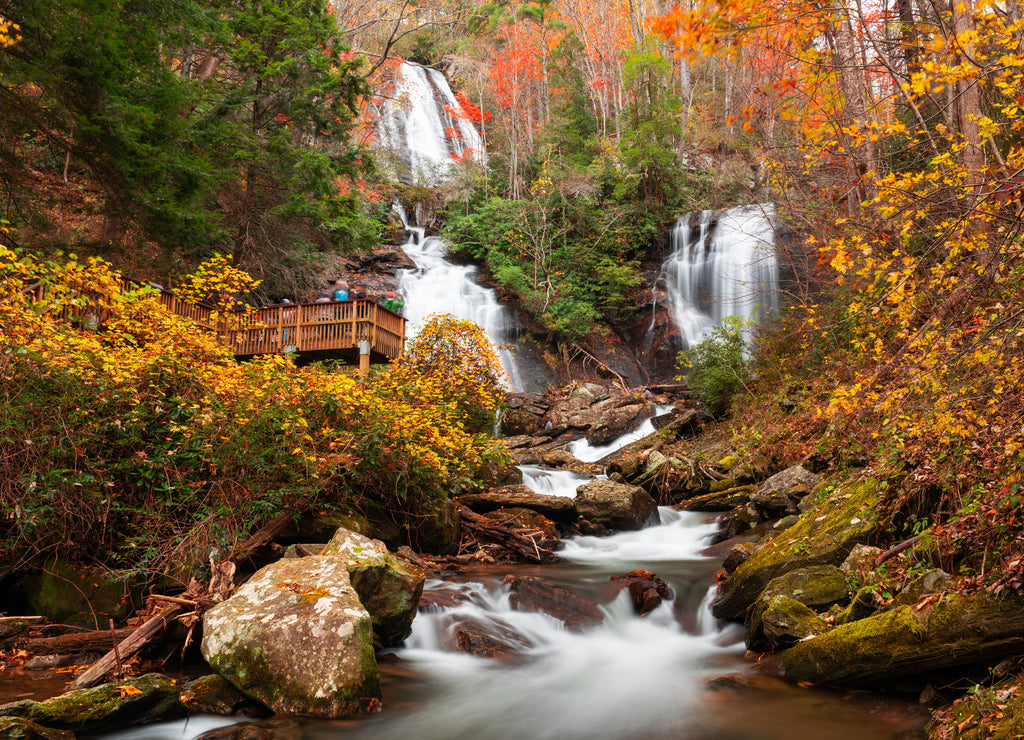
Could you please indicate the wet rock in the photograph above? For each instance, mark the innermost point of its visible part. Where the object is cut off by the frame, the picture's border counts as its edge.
(525, 414)
(112, 706)
(559, 459)
(434, 601)
(954, 632)
(587, 395)
(606, 505)
(738, 555)
(16, 728)
(786, 622)
(646, 468)
(388, 587)
(614, 422)
(531, 594)
(781, 493)
(823, 536)
(816, 587)
(216, 695)
(296, 638)
(440, 531)
(556, 508)
(646, 590)
(494, 638)
(280, 728)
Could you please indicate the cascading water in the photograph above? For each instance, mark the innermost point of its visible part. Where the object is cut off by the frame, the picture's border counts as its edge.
(422, 127)
(721, 267)
(439, 286)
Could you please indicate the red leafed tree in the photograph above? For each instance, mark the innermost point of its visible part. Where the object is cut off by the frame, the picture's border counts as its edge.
(513, 76)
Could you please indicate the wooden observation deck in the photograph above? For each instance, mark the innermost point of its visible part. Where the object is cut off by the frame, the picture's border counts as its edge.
(358, 331)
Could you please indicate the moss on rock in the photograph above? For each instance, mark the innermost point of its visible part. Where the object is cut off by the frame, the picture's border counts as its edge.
(825, 535)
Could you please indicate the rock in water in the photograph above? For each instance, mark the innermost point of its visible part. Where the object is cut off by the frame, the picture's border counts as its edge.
(646, 590)
(532, 594)
(606, 505)
(296, 638)
(388, 587)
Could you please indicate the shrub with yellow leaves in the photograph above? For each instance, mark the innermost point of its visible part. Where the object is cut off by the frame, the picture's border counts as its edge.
(131, 435)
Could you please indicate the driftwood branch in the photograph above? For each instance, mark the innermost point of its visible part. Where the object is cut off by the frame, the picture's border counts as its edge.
(150, 630)
(492, 531)
(905, 545)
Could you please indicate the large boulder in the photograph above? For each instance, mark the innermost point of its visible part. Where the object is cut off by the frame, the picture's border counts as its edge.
(557, 508)
(112, 706)
(296, 638)
(817, 587)
(388, 587)
(953, 632)
(607, 505)
(613, 422)
(825, 535)
(95, 598)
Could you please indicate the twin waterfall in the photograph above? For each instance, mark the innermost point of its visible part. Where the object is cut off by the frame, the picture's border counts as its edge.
(723, 263)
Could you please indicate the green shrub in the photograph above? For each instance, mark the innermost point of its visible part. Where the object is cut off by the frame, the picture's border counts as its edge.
(716, 367)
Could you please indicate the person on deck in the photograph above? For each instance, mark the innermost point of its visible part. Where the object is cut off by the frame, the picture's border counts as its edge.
(393, 303)
(341, 291)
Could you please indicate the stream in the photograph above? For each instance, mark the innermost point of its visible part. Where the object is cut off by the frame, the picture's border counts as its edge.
(676, 673)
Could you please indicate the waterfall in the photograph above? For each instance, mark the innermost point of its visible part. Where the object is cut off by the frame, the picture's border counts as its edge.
(439, 286)
(721, 267)
(422, 129)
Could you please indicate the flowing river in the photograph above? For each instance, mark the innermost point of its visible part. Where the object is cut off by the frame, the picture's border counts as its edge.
(676, 673)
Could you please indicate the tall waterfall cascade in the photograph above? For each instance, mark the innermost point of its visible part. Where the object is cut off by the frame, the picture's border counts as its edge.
(423, 127)
(439, 286)
(722, 267)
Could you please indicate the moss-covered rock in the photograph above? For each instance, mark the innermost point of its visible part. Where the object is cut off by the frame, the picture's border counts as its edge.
(134, 701)
(16, 728)
(955, 631)
(296, 638)
(785, 621)
(817, 587)
(84, 597)
(780, 494)
(862, 605)
(823, 536)
(439, 528)
(215, 695)
(388, 587)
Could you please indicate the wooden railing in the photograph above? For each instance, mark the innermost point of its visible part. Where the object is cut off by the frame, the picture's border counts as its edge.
(301, 327)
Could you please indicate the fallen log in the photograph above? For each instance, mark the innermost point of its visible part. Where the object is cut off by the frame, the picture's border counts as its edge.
(512, 540)
(150, 631)
(93, 641)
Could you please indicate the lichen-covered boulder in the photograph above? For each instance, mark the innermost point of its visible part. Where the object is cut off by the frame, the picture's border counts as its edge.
(16, 728)
(388, 587)
(112, 706)
(825, 535)
(786, 622)
(816, 587)
(296, 638)
(953, 632)
(607, 505)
